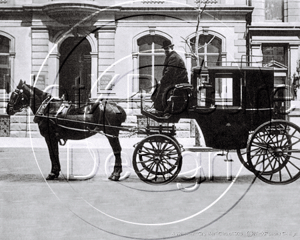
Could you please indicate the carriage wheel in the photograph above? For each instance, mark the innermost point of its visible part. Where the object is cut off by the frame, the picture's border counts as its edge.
(242, 156)
(273, 152)
(157, 159)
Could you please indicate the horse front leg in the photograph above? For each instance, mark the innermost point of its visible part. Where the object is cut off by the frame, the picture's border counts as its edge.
(115, 144)
(48, 133)
(52, 144)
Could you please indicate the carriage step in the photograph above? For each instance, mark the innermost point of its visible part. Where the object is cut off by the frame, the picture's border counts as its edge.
(150, 130)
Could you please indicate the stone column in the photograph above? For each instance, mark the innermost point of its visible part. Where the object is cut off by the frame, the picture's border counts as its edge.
(293, 59)
(256, 55)
(135, 79)
(106, 56)
(53, 74)
(188, 58)
(94, 76)
(40, 49)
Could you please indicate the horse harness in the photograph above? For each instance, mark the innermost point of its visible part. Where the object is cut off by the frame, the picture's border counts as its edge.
(61, 113)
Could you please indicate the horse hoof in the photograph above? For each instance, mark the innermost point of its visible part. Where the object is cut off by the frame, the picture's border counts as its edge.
(52, 176)
(114, 177)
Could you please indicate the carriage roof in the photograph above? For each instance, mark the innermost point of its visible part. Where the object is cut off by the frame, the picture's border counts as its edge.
(254, 78)
(239, 68)
(234, 70)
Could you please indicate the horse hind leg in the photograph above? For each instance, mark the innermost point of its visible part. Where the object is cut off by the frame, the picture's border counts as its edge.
(116, 147)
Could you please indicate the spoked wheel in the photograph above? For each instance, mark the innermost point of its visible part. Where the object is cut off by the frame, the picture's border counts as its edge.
(157, 159)
(273, 152)
(242, 154)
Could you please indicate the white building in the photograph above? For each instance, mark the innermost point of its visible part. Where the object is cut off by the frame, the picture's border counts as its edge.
(115, 46)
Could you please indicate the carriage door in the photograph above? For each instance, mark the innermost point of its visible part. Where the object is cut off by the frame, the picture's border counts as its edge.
(75, 61)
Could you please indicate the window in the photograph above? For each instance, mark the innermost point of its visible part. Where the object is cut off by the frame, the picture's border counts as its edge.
(220, 89)
(151, 59)
(223, 89)
(276, 56)
(4, 64)
(274, 52)
(274, 10)
(209, 48)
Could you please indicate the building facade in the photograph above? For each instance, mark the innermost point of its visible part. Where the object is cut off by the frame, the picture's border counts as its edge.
(114, 46)
(274, 37)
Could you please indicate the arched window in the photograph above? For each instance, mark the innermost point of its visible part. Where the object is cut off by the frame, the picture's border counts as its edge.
(209, 48)
(150, 61)
(4, 63)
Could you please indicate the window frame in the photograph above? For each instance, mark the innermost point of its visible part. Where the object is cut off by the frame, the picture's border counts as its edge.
(205, 53)
(154, 53)
(274, 20)
(8, 66)
(285, 49)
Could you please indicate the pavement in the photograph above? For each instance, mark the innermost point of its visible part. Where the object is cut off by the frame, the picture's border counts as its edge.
(40, 143)
(100, 146)
(33, 208)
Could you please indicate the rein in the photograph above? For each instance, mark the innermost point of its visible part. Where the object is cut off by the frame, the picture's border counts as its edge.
(34, 98)
(128, 129)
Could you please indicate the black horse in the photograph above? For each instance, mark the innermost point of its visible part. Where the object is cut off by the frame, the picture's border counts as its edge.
(59, 121)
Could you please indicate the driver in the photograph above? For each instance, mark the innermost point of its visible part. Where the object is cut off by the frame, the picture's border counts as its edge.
(174, 72)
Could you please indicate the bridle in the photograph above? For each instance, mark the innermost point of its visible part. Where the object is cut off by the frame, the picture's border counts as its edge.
(17, 98)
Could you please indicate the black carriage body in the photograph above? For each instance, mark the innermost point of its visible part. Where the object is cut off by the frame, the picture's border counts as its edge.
(244, 107)
(227, 103)
(227, 115)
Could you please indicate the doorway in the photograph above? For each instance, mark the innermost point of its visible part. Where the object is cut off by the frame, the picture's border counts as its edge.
(74, 63)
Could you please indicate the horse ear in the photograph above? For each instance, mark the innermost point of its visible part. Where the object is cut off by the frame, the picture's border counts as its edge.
(20, 84)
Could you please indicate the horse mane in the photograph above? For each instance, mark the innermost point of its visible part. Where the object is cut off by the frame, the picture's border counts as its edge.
(35, 92)
(35, 96)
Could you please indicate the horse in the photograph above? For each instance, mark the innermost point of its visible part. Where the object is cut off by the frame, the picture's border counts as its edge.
(59, 121)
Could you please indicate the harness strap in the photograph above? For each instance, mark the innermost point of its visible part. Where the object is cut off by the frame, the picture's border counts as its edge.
(57, 134)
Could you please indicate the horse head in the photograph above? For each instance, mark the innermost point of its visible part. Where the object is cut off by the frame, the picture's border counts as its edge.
(18, 100)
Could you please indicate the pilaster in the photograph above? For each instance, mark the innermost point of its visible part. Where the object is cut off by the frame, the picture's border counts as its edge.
(106, 58)
(256, 56)
(39, 56)
(293, 59)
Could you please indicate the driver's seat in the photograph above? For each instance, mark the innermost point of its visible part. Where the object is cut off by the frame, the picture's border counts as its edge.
(176, 98)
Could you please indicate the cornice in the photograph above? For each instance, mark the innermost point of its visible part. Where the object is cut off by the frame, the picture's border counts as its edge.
(217, 9)
(74, 6)
(69, 12)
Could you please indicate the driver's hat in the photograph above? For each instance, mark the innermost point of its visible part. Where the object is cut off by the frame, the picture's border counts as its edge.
(167, 43)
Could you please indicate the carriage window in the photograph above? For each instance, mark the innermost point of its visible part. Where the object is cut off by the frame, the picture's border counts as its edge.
(228, 89)
(224, 91)
(151, 59)
(210, 48)
(203, 95)
(4, 64)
